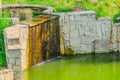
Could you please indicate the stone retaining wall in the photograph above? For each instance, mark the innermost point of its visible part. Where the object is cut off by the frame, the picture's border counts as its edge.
(81, 32)
(16, 40)
(6, 74)
(28, 44)
(44, 9)
(26, 12)
(84, 32)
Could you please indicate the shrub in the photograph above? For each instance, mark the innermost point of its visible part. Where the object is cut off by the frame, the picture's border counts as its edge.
(115, 17)
(3, 24)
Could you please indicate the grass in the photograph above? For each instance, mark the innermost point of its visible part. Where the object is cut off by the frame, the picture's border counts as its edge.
(108, 8)
(80, 67)
(3, 24)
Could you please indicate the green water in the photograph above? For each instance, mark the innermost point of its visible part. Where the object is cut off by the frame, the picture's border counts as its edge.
(79, 67)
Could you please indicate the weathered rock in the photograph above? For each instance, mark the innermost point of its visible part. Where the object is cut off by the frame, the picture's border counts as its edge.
(103, 46)
(84, 28)
(6, 74)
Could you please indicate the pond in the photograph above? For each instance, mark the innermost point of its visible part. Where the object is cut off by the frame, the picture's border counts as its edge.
(78, 67)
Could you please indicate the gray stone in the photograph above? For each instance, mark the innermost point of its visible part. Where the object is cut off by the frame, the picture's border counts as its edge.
(18, 62)
(66, 29)
(72, 25)
(14, 53)
(74, 33)
(87, 40)
(11, 61)
(81, 31)
(75, 42)
(66, 19)
(17, 68)
(99, 32)
(66, 36)
(72, 18)
(103, 46)
(84, 48)
(87, 32)
(10, 66)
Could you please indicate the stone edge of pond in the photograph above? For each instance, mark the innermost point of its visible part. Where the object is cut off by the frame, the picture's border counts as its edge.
(49, 60)
(46, 10)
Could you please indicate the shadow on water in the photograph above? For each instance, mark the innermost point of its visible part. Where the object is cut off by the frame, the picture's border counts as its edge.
(93, 58)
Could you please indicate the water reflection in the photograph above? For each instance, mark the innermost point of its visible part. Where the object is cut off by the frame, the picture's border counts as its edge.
(78, 67)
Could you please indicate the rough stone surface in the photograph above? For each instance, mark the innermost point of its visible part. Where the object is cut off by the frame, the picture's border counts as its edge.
(29, 45)
(87, 33)
(15, 48)
(80, 32)
(6, 74)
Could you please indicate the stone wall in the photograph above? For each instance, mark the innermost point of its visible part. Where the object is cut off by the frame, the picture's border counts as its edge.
(29, 44)
(24, 12)
(6, 74)
(84, 32)
(80, 32)
(43, 41)
(116, 36)
(16, 41)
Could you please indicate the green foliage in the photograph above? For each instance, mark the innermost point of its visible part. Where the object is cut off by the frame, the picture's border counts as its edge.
(3, 24)
(63, 10)
(115, 17)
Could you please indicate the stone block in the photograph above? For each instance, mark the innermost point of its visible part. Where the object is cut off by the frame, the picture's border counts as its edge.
(74, 33)
(13, 32)
(72, 26)
(2, 77)
(81, 31)
(15, 20)
(72, 18)
(66, 19)
(10, 65)
(75, 42)
(87, 40)
(6, 74)
(66, 29)
(18, 61)
(11, 61)
(87, 32)
(17, 68)
(14, 41)
(103, 46)
(79, 18)
(66, 42)
(98, 31)
(83, 47)
(66, 36)
(13, 53)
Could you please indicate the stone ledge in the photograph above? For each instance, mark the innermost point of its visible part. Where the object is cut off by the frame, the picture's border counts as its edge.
(46, 10)
(6, 74)
(79, 13)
